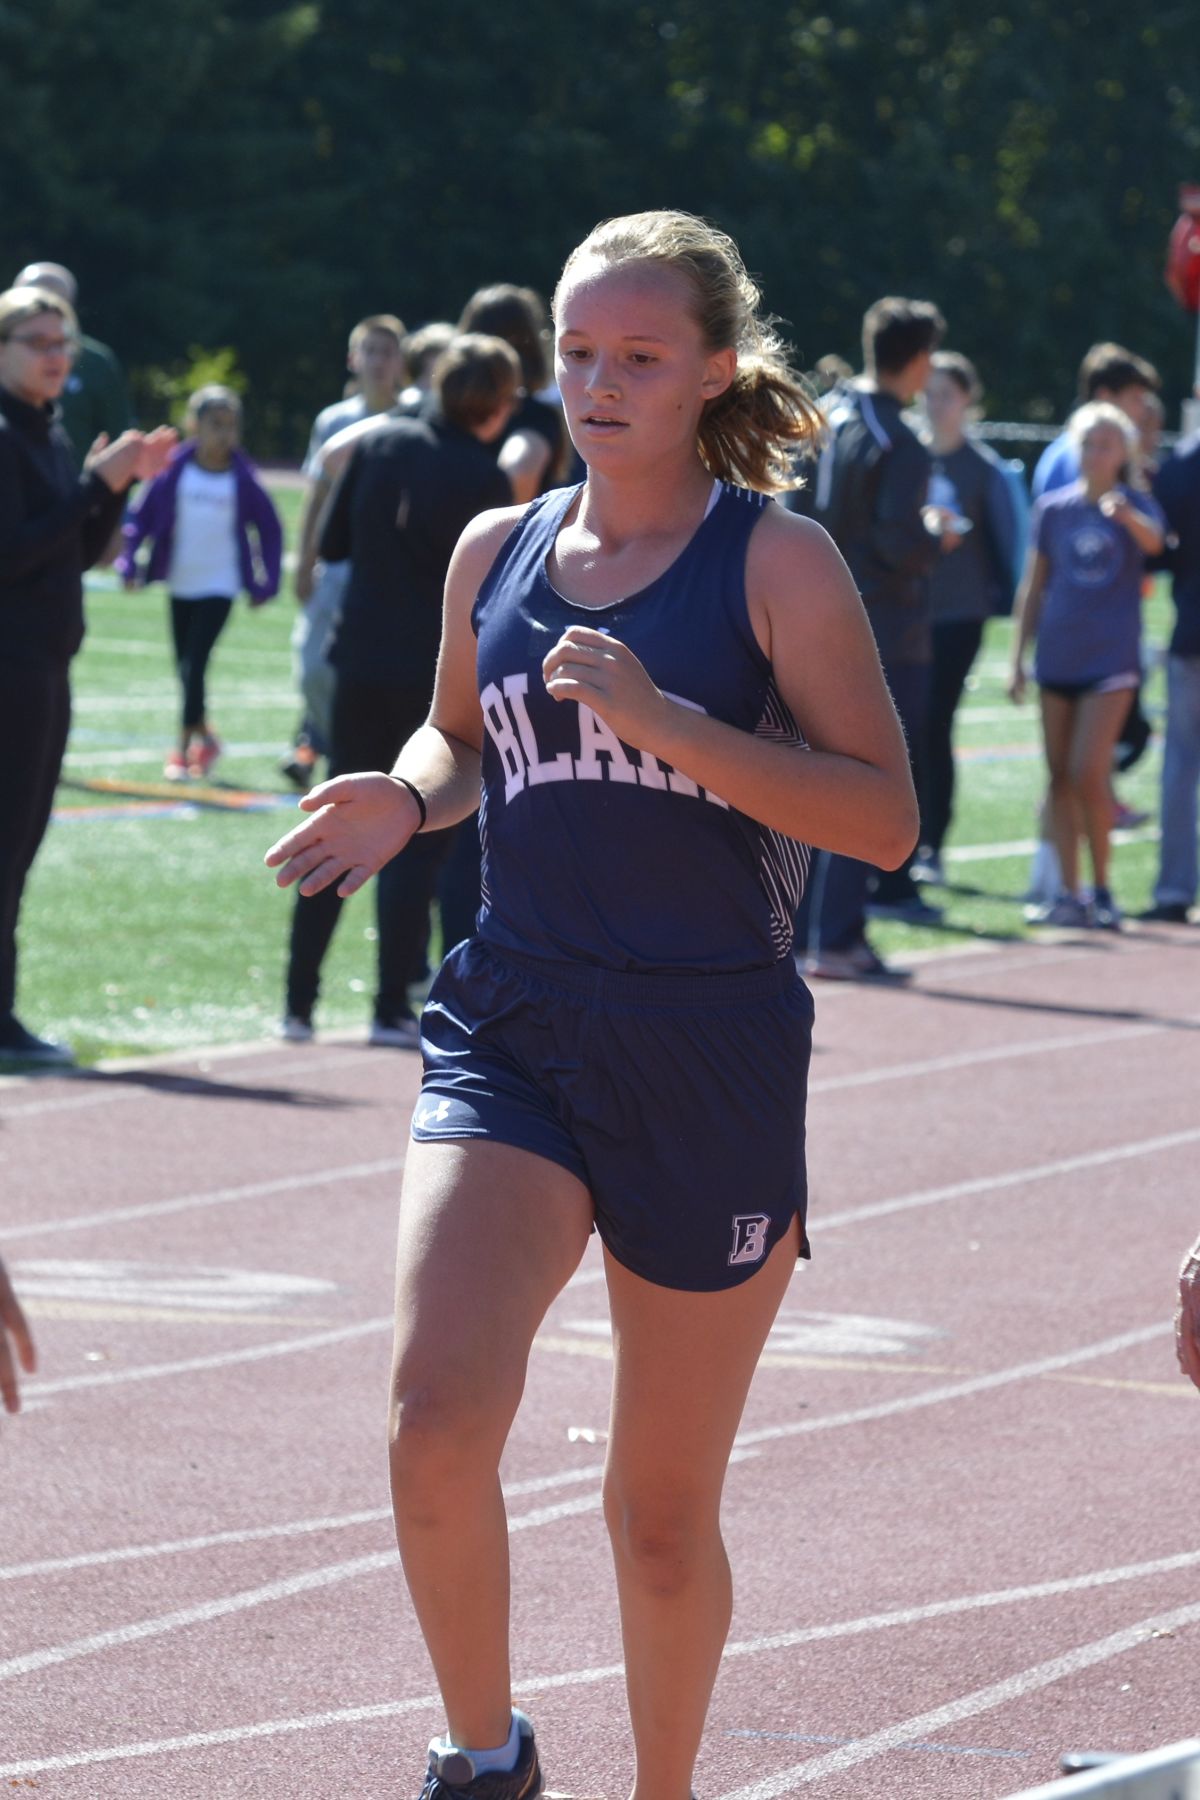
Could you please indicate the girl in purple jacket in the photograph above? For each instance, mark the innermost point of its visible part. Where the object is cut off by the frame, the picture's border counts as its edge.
(213, 532)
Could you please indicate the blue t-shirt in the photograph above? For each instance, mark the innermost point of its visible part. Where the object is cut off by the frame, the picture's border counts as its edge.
(1057, 466)
(1090, 624)
(597, 852)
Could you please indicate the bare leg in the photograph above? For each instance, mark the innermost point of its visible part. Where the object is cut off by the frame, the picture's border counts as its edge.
(1058, 725)
(683, 1367)
(488, 1236)
(1098, 722)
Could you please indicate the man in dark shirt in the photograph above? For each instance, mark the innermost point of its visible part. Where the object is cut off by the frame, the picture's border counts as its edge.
(1177, 490)
(871, 485)
(408, 492)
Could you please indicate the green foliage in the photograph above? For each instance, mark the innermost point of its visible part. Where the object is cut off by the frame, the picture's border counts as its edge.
(260, 175)
(163, 394)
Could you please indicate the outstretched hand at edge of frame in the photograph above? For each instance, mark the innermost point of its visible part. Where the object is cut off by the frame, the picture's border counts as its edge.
(1187, 1316)
(359, 823)
(14, 1332)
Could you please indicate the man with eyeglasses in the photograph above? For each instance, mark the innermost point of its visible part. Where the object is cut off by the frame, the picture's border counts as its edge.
(95, 398)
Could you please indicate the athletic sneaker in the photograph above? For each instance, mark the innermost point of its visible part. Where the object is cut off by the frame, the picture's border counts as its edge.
(300, 767)
(396, 1034)
(926, 866)
(202, 755)
(175, 768)
(296, 1029)
(1166, 912)
(1103, 913)
(1128, 818)
(19, 1045)
(451, 1773)
(1068, 912)
(912, 909)
(855, 962)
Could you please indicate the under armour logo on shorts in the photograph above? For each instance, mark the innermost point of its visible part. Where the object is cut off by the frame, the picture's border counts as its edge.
(749, 1238)
(433, 1115)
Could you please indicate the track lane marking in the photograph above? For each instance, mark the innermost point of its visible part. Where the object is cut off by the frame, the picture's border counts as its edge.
(391, 1709)
(969, 1706)
(989, 1184)
(284, 1589)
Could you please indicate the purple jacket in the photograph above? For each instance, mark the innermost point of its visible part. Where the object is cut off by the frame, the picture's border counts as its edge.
(260, 556)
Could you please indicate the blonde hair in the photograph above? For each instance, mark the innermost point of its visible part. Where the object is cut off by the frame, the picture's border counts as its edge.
(753, 432)
(22, 303)
(1102, 412)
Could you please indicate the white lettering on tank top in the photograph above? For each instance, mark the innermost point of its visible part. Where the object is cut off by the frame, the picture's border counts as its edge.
(602, 756)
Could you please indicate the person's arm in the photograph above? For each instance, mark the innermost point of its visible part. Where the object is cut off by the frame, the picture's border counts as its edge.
(1000, 522)
(1142, 524)
(897, 534)
(524, 458)
(1187, 1316)
(86, 514)
(852, 791)
(267, 524)
(1028, 613)
(14, 1335)
(360, 822)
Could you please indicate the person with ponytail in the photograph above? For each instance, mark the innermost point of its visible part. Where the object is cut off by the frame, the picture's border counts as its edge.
(668, 689)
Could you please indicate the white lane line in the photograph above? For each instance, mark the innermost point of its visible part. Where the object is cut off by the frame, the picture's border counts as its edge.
(971, 853)
(352, 1715)
(290, 1528)
(161, 1209)
(967, 1059)
(969, 1706)
(988, 1184)
(285, 1589)
(318, 1340)
(955, 1390)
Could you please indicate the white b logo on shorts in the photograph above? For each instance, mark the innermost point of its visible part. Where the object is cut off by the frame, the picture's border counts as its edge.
(749, 1238)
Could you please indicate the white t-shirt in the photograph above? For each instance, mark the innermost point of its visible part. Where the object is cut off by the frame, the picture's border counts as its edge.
(204, 553)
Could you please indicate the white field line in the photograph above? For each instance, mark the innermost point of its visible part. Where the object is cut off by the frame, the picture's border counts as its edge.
(255, 1534)
(285, 1589)
(162, 694)
(955, 1390)
(353, 1715)
(990, 1184)
(971, 853)
(969, 1706)
(113, 758)
(160, 1209)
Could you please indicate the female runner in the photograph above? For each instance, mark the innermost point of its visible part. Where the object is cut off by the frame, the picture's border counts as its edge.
(670, 687)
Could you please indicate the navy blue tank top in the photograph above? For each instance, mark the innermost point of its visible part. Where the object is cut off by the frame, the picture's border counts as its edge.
(594, 851)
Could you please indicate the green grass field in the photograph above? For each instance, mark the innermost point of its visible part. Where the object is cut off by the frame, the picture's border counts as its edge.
(153, 925)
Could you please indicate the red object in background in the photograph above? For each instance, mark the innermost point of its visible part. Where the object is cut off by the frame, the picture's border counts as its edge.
(1183, 250)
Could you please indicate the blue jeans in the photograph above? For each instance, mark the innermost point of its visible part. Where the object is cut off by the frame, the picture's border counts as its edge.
(1177, 870)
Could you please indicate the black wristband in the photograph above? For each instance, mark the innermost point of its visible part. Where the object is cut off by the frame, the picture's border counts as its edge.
(418, 796)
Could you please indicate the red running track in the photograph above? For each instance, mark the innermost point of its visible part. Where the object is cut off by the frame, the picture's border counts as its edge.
(963, 1516)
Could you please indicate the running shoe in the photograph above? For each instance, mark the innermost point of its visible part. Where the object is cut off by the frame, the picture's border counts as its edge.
(175, 768)
(300, 767)
(1128, 818)
(1166, 912)
(910, 909)
(296, 1029)
(1067, 912)
(927, 867)
(1103, 914)
(202, 755)
(20, 1046)
(451, 1773)
(854, 962)
(396, 1033)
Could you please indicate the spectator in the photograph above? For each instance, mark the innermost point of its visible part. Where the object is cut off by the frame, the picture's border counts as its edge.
(421, 351)
(971, 514)
(54, 523)
(376, 361)
(95, 398)
(409, 490)
(14, 1335)
(1177, 489)
(1111, 373)
(213, 531)
(871, 486)
(533, 449)
(1081, 598)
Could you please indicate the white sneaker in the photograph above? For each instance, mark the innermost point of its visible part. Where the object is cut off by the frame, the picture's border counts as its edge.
(396, 1034)
(296, 1030)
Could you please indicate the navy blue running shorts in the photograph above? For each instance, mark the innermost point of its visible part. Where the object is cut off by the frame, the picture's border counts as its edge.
(678, 1100)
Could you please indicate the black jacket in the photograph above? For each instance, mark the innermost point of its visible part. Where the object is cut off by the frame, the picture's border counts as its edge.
(53, 525)
(868, 491)
(409, 491)
(1177, 490)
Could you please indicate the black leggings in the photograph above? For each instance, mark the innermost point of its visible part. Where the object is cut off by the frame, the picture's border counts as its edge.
(955, 646)
(195, 627)
(35, 716)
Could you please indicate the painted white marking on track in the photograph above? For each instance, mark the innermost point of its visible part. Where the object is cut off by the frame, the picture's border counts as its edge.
(985, 1699)
(353, 1715)
(284, 1589)
(252, 1190)
(987, 1184)
(288, 1528)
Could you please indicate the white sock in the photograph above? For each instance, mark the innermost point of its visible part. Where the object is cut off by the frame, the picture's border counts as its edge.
(502, 1758)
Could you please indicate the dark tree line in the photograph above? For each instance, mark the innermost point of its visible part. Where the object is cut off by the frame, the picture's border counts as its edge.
(255, 176)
